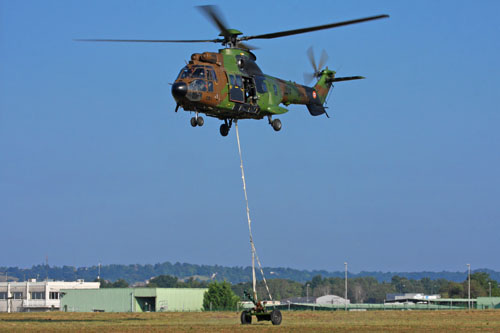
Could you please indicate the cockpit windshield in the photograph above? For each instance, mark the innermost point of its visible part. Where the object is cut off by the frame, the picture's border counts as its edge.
(198, 72)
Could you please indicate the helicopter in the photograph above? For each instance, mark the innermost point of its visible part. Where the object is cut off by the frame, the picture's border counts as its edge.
(229, 85)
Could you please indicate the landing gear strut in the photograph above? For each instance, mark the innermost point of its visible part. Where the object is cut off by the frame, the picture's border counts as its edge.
(276, 123)
(197, 120)
(224, 128)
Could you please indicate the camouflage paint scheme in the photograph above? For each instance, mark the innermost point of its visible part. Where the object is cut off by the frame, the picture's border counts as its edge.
(229, 85)
(268, 91)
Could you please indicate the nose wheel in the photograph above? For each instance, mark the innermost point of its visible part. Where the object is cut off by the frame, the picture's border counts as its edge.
(197, 121)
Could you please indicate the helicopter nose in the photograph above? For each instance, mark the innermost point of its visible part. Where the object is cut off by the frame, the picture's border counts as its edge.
(179, 89)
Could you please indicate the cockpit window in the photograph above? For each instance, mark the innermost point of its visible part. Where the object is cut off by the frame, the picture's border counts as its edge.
(184, 73)
(198, 85)
(211, 74)
(197, 72)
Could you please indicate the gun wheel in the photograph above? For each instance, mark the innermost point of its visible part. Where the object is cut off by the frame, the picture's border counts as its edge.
(246, 318)
(276, 317)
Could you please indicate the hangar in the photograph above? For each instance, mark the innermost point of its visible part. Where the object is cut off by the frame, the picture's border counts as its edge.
(133, 300)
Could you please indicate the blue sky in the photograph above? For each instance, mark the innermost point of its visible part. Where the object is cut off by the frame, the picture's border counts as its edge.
(96, 166)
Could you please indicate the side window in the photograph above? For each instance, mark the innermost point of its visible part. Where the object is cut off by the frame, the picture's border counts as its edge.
(275, 90)
(260, 84)
(37, 295)
(210, 86)
(211, 74)
(231, 80)
(238, 81)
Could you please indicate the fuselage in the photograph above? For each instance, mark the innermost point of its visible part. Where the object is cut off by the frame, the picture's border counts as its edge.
(230, 85)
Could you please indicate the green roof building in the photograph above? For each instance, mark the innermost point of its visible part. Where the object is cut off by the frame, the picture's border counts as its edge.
(488, 302)
(132, 300)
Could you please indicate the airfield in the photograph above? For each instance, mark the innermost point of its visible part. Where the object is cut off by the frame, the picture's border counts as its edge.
(293, 321)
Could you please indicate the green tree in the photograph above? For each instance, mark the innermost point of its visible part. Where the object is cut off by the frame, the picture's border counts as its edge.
(163, 281)
(192, 283)
(454, 290)
(120, 283)
(485, 282)
(219, 297)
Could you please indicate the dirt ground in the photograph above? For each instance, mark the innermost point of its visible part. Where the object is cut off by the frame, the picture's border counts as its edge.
(293, 321)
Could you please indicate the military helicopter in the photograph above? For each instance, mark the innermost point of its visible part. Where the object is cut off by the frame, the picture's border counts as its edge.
(229, 85)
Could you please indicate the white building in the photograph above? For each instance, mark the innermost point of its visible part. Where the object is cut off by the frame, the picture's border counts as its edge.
(33, 296)
(332, 299)
(410, 297)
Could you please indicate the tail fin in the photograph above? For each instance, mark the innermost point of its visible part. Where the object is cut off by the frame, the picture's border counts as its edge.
(322, 88)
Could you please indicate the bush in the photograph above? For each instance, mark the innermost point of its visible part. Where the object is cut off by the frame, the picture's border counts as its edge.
(219, 297)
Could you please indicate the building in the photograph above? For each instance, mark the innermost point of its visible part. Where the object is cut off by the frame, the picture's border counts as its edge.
(301, 300)
(133, 300)
(32, 295)
(488, 303)
(411, 297)
(326, 299)
(332, 299)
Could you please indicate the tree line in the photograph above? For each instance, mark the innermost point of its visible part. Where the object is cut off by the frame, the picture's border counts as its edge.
(140, 273)
(360, 289)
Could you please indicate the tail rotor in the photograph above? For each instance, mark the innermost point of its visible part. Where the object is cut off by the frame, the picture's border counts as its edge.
(308, 77)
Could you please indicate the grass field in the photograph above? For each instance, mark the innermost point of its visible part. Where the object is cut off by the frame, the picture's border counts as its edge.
(294, 321)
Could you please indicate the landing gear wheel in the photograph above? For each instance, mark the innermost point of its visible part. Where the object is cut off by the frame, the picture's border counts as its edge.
(246, 318)
(224, 129)
(276, 317)
(200, 121)
(194, 123)
(276, 124)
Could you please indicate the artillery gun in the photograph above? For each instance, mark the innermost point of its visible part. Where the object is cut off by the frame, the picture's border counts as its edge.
(260, 312)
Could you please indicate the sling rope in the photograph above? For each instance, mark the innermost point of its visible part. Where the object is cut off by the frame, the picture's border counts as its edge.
(252, 245)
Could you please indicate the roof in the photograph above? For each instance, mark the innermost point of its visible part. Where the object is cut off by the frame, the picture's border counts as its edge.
(454, 300)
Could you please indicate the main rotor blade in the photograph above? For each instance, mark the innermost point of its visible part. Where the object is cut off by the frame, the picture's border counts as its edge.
(247, 46)
(310, 55)
(152, 40)
(348, 78)
(214, 15)
(315, 28)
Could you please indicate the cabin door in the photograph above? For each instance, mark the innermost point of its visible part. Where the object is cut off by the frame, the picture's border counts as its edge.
(236, 93)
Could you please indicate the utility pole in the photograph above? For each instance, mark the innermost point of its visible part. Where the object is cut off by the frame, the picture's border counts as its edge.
(47, 267)
(99, 272)
(345, 300)
(468, 300)
(489, 283)
(307, 292)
